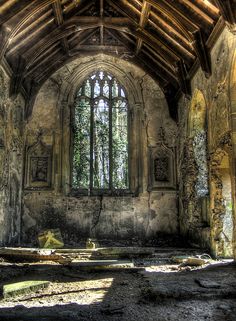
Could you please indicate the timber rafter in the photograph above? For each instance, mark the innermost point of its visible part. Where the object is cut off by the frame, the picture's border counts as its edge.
(165, 38)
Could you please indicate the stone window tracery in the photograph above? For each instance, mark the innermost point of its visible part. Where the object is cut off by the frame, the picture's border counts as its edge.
(100, 135)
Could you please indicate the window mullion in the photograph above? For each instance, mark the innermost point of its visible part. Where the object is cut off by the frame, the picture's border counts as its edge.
(110, 139)
(91, 135)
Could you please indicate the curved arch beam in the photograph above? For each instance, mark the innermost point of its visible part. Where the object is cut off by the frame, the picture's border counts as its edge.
(82, 23)
(8, 33)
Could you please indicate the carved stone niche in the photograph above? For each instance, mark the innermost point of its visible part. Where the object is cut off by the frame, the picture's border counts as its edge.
(162, 173)
(38, 166)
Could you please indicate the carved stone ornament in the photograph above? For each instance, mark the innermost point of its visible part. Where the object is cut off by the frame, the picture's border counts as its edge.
(162, 174)
(39, 166)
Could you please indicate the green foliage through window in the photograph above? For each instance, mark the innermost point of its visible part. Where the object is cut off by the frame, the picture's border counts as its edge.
(100, 159)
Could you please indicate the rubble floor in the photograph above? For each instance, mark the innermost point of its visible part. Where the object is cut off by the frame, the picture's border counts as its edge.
(154, 290)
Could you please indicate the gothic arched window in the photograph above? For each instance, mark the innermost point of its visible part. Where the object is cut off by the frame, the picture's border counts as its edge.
(100, 145)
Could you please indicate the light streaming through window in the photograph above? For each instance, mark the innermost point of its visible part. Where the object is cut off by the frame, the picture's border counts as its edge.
(100, 159)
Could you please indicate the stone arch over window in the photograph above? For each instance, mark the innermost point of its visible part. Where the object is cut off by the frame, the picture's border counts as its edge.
(133, 95)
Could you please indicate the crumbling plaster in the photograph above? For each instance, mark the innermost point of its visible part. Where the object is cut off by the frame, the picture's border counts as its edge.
(141, 215)
(216, 92)
(11, 162)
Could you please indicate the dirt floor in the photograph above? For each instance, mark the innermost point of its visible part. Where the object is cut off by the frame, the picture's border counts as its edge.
(150, 291)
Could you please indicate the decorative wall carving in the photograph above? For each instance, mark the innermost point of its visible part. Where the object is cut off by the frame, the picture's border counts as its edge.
(218, 208)
(162, 173)
(219, 112)
(188, 196)
(39, 166)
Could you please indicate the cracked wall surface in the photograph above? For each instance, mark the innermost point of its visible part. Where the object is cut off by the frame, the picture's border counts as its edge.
(11, 162)
(202, 218)
(142, 215)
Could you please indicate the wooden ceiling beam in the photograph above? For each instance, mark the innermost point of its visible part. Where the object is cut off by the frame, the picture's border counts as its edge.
(42, 59)
(167, 73)
(74, 5)
(19, 47)
(166, 31)
(183, 78)
(143, 21)
(101, 16)
(165, 70)
(81, 23)
(205, 18)
(175, 16)
(154, 18)
(228, 10)
(7, 34)
(9, 9)
(187, 53)
(72, 26)
(202, 52)
(210, 8)
(58, 13)
(83, 36)
(153, 41)
(23, 36)
(46, 54)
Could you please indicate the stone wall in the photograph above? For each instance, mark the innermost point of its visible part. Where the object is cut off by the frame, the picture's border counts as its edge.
(11, 162)
(202, 219)
(144, 214)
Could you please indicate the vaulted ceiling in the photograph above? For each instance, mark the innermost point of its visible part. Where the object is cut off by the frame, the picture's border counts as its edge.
(167, 38)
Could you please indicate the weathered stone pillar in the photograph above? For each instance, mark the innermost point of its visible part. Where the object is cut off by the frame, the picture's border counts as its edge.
(138, 146)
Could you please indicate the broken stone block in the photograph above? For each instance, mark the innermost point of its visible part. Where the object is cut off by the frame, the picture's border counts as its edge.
(91, 244)
(189, 260)
(23, 287)
(50, 239)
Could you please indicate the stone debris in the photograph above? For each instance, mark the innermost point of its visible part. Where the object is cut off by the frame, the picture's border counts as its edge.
(161, 291)
(192, 260)
(92, 244)
(31, 255)
(14, 289)
(50, 239)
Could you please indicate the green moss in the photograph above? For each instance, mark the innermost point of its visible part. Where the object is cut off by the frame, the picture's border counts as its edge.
(23, 287)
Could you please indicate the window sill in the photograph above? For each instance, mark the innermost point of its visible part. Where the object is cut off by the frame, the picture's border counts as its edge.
(102, 192)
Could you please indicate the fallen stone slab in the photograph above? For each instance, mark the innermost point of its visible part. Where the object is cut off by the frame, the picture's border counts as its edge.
(190, 260)
(31, 255)
(14, 289)
(102, 264)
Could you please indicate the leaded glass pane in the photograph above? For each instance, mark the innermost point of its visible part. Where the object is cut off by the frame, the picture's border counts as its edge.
(120, 145)
(106, 89)
(87, 89)
(101, 144)
(81, 157)
(115, 89)
(101, 74)
(122, 93)
(96, 89)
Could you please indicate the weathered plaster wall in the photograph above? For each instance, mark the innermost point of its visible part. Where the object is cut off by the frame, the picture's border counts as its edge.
(142, 215)
(11, 162)
(209, 229)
